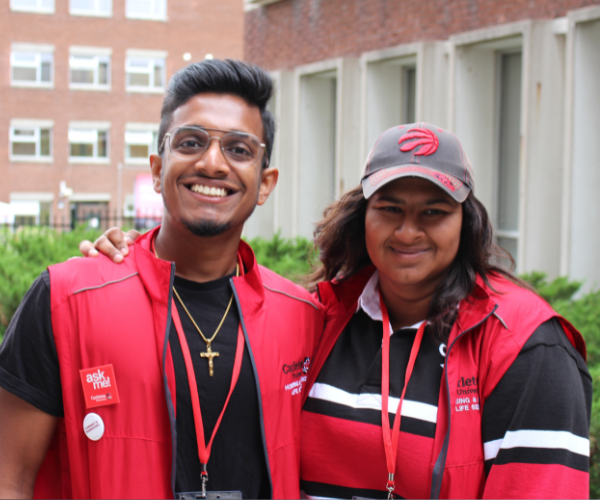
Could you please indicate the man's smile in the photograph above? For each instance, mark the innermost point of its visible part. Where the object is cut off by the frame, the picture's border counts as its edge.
(209, 189)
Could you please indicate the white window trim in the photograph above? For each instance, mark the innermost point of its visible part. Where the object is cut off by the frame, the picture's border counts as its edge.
(90, 160)
(86, 13)
(154, 54)
(36, 10)
(27, 123)
(92, 52)
(38, 49)
(255, 4)
(140, 54)
(89, 197)
(79, 50)
(143, 17)
(42, 197)
(32, 47)
(138, 127)
(145, 90)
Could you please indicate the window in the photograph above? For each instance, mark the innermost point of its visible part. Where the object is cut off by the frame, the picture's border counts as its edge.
(145, 71)
(31, 65)
(88, 142)
(101, 8)
(487, 117)
(146, 9)
(30, 209)
(318, 127)
(89, 68)
(39, 6)
(391, 93)
(140, 142)
(30, 140)
(507, 210)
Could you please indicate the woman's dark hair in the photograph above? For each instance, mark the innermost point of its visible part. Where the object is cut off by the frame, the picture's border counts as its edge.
(340, 241)
(227, 76)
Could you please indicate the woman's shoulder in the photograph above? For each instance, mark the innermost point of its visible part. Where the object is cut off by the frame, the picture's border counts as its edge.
(508, 293)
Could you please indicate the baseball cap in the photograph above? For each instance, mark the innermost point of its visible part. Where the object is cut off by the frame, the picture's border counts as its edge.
(419, 150)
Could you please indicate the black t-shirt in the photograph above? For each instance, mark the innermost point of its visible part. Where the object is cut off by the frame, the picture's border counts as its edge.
(29, 369)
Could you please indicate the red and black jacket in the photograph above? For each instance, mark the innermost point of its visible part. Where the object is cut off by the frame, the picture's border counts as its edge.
(492, 327)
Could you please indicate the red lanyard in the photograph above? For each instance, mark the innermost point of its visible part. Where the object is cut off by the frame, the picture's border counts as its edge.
(203, 449)
(390, 443)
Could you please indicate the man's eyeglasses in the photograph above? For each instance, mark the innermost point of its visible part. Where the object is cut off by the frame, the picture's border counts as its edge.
(241, 150)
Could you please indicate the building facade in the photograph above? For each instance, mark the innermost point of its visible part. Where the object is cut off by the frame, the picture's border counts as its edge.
(83, 83)
(517, 81)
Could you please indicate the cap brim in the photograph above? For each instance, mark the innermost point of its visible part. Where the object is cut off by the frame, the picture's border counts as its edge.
(456, 188)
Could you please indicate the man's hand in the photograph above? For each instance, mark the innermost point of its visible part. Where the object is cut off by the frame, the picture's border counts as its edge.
(25, 435)
(113, 243)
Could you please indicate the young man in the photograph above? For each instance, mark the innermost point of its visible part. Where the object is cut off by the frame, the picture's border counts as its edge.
(182, 368)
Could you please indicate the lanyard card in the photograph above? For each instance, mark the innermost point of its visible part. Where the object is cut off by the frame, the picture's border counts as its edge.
(210, 495)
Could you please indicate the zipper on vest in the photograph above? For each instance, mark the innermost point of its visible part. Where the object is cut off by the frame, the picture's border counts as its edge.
(260, 404)
(170, 408)
(440, 463)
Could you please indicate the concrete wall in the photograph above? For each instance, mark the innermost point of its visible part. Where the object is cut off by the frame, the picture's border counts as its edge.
(583, 149)
(549, 164)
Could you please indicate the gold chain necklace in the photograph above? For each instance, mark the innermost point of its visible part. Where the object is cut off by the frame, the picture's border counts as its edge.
(209, 354)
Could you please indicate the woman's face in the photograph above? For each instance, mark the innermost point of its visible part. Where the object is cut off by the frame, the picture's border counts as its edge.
(412, 232)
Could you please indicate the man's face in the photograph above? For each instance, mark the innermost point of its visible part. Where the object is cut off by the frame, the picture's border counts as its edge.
(183, 184)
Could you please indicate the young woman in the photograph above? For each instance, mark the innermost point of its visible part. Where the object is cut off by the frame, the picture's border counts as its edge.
(439, 373)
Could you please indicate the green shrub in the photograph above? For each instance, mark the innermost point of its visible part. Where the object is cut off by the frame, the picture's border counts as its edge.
(583, 313)
(289, 258)
(24, 254)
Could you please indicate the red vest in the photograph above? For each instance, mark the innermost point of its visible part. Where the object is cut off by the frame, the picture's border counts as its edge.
(104, 313)
(491, 328)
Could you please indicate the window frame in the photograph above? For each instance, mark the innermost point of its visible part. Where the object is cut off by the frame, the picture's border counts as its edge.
(37, 10)
(152, 146)
(95, 13)
(162, 16)
(41, 52)
(99, 55)
(154, 58)
(90, 127)
(37, 126)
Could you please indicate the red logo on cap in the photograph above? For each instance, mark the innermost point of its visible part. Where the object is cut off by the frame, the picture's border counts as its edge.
(425, 138)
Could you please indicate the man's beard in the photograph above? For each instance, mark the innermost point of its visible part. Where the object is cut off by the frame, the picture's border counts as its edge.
(206, 228)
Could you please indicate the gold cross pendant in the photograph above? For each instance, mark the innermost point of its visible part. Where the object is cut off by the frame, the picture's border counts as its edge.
(210, 355)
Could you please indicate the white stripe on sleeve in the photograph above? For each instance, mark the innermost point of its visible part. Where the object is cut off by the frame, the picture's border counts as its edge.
(538, 439)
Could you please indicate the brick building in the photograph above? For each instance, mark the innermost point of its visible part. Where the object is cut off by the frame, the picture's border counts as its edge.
(82, 86)
(516, 80)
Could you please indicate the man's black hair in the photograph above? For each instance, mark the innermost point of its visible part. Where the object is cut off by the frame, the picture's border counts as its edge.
(219, 76)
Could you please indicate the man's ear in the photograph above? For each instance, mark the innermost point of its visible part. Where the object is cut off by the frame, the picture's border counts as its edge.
(268, 182)
(156, 169)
